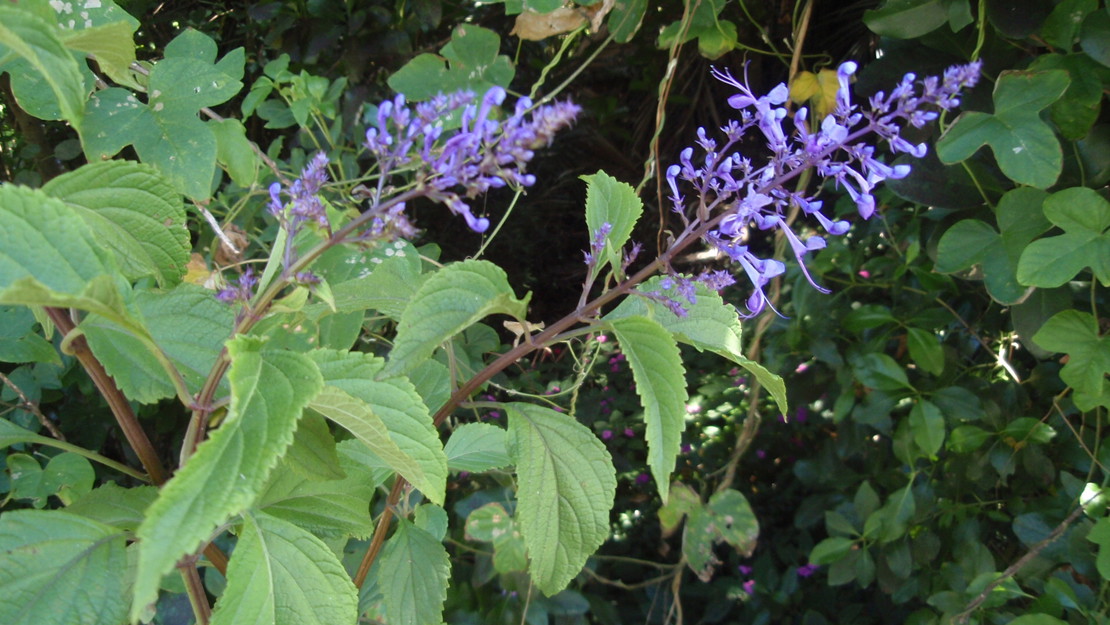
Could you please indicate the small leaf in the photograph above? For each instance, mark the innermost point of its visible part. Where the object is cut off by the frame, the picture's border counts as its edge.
(1100, 535)
(830, 550)
(452, 299)
(927, 424)
(413, 576)
(281, 574)
(726, 518)
(925, 350)
(269, 389)
(609, 201)
(52, 569)
(881, 372)
(476, 447)
(1024, 146)
(1094, 36)
(491, 523)
(566, 488)
(661, 384)
(682, 501)
(116, 506)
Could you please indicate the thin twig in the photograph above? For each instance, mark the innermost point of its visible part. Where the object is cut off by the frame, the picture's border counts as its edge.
(33, 408)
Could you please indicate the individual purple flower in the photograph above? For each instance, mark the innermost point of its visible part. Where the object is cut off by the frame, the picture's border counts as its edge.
(241, 291)
(807, 570)
(629, 433)
(744, 569)
(643, 478)
(735, 197)
(749, 586)
(606, 435)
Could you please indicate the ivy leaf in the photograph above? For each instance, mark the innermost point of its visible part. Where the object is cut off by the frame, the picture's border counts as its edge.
(661, 384)
(476, 447)
(269, 389)
(387, 415)
(1076, 334)
(413, 576)
(1024, 146)
(452, 299)
(610, 201)
(112, 44)
(683, 501)
(37, 44)
(472, 63)
(972, 242)
(281, 574)
(566, 488)
(53, 567)
(715, 36)
(1084, 216)
(728, 518)
(709, 325)
(134, 212)
(1077, 110)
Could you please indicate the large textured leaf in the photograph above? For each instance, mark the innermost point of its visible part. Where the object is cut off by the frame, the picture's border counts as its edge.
(1084, 216)
(476, 447)
(710, 324)
(413, 576)
(54, 569)
(1025, 147)
(114, 505)
(566, 487)
(280, 574)
(269, 389)
(134, 212)
(661, 385)
(452, 299)
(387, 415)
(187, 323)
(610, 201)
(327, 508)
(37, 43)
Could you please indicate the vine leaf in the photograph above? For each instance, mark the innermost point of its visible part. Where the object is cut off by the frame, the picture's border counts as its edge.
(41, 55)
(716, 37)
(566, 488)
(1024, 146)
(387, 415)
(728, 518)
(709, 325)
(282, 574)
(451, 300)
(661, 384)
(476, 447)
(52, 569)
(413, 576)
(610, 201)
(1076, 334)
(269, 389)
(472, 63)
(1084, 216)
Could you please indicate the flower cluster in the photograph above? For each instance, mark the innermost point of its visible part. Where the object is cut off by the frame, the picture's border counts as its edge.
(483, 153)
(304, 205)
(735, 195)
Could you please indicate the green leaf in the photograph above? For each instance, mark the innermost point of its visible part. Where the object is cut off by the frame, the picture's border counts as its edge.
(53, 567)
(925, 350)
(1084, 215)
(492, 524)
(896, 514)
(413, 576)
(907, 19)
(37, 43)
(726, 518)
(432, 519)
(476, 447)
(831, 550)
(709, 325)
(44, 239)
(387, 415)
(269, 389)
(234, 152)
(313, 454)
(134, 212)
(452, 299)
(715, 36)
(927, 424)
(327, 508)
(971, 242)
(281, 574)
(18, 340)
(661, 384)
(625, 19)
(682, 501)
(967, 438)
(1094, 36)
(1024, 146)
(566, 486)
(609, 201)
(390, 281)
(472, 60)
(1100, 535)
(114, 505)
(1077, 111)
(187, 323)
(113, 46)
(1037, 619)
(879, 371)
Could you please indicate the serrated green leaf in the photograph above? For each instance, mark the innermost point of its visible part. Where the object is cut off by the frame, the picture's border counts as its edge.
(387, 415)
(37, 43)
(661, 384)
(114, 505)
(413, 576)
(52, 569)
(927, 424)
(452, 299)
(1084, 215)
(1024, 146)
(134, 212)
(566, 488)
(472, 60)
(312, 454)
(327, 508)
(906, 19)
(269, 389)
(188, 324)
(476, 447)
(392, 277)
(609, 201)
(710, 325)
(282, 575)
